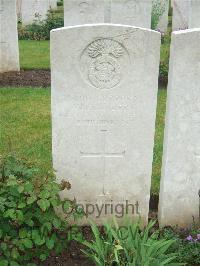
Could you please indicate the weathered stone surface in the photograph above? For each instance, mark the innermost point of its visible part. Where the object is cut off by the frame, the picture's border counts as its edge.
(180, 182)
(9, 51)
(194, 17)
(53, 4)
(34, 10)
(128, 12)
(19, 14)
(160, 11)
(78, 12)
(131, 12)
(104, 93)
(181, 11)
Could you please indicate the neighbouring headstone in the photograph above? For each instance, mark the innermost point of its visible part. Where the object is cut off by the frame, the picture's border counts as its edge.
(128, 12)
(194, 17)
(53, 4)
(34, 10)
(19, 14)
(180, 183)
(78, 12)
(160, 11)
(9, 50)
(181, 11)
(104, 94)
(131, 12)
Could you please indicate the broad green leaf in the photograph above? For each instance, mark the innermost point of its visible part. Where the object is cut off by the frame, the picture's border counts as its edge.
(3, 246)
(48, 226)
(44, 194)
(43, 204)
(28, 187)
(20, 188)
(21, 205)
(31, 199)
(20, 215)
(38, 240)
(27, 243)
(56, 223)
(43, 257)
(54, 202)
(50, 243)
(29, 222)
(66, 206)
(10, 213)
(22, 233)
(15, 253)
(14, 263)
(3, 262)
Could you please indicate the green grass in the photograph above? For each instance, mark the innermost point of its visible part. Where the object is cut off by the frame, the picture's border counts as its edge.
(25, 125)
(158, 143)
(34, 54)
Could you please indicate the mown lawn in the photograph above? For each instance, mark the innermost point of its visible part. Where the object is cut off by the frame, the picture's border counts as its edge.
(34, 54)
(25, 125)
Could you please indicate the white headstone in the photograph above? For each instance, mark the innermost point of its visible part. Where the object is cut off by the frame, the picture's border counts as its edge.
(53, 4)
(9, 50)
(19, 4)
(181, 11)
(194, 17)
(78, 12)
(131, 12)
(104, 90)
(180, 184)
(128, 12)
(34, 10)
(160, 11)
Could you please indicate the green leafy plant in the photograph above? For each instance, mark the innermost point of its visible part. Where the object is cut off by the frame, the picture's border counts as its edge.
(157, 11)
(128, 245)
(40, 30)
(187, 243)
(60, 3)
(29, 225)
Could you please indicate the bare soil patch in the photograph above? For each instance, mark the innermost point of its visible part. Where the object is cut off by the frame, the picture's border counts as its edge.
(26, 78)
(37, 78)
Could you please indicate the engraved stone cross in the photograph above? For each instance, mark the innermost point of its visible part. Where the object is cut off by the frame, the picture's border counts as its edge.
(103, 155)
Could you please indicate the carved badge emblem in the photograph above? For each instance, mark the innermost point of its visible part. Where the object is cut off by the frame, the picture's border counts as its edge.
(104, 70)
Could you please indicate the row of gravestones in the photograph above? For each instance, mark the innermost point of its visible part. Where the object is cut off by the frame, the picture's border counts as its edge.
(104, 95)
(33, 10)
(129, 12)
(78, 12)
